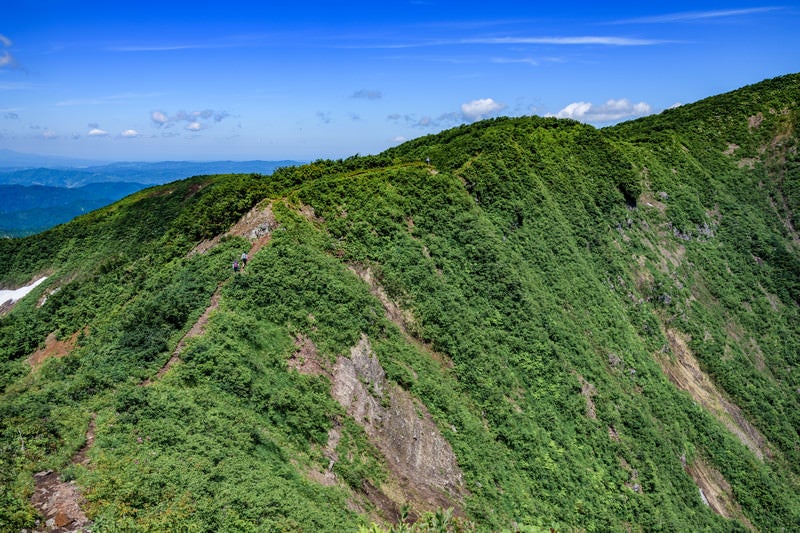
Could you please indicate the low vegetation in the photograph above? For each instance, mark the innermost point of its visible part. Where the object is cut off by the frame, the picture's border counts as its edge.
(532, 282)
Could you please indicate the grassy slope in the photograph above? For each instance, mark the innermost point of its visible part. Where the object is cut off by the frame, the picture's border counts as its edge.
(519, 254)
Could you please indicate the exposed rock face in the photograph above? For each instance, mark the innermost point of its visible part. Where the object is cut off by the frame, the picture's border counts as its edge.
(256, 225)
(716, 492)
(420, 459)
(685, 372)
(399, 425)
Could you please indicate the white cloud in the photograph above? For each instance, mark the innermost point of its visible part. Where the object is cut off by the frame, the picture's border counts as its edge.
(610, 111)
(576, 110)
(130, 133)
(480, 109)
(194, 126)
(159, 117)
(49, 134)
(97, 132)
(6, 59)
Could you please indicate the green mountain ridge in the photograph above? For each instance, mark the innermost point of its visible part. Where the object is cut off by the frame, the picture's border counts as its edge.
(522, 324)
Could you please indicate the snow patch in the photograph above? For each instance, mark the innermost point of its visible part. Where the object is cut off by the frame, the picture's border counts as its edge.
(17, 294)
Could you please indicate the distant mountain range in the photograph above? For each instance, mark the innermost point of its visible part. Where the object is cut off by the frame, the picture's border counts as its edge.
(38, 192)
(20, 169)
(25, 210)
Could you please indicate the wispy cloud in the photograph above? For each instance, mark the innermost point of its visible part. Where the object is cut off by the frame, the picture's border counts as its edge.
(227, 41)
(579, 40)
(367, 94)
(161, 48)
(16, 86)
(610, 111)
(129, 134)
(469, 112)
(566, 41)
(196, 120)
(532, 61)
(6, 59)
(426, 121)
(110, 99)
(696, 15)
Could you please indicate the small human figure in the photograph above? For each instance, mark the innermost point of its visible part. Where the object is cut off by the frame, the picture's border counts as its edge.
(244, 259)
(236, 266)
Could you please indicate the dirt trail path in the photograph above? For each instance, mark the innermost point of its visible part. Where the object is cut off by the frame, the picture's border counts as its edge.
(60, 502)
(196, 330)
(257, 226)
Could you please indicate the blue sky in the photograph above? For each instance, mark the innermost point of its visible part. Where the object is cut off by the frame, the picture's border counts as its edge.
(147, 81)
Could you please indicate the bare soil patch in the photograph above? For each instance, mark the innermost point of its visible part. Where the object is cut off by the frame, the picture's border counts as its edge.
(684, 371)
(400, 317)
(589, 392)
(54, 348)
(716, 492)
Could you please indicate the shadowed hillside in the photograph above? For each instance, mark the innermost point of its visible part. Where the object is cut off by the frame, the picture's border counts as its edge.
(520, 324)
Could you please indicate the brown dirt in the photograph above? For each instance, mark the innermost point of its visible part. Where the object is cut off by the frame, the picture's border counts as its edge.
(60, 502)
(732, 147)
(755, 120)
(716, 492)
(684, 371)
(589, 392)
(400, 317)
(54, 348)
(307, 360)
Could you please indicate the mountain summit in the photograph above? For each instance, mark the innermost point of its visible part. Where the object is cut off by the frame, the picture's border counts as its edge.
(522, 324)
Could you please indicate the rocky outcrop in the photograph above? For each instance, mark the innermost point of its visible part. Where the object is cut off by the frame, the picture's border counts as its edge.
(421, 461)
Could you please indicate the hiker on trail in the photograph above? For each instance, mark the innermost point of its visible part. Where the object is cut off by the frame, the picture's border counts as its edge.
(236, 266)
(244, 259)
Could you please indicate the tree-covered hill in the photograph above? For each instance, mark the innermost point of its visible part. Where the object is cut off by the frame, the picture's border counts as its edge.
(516, 325)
